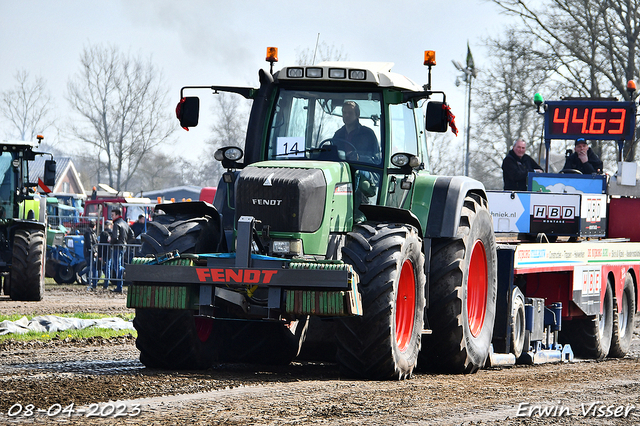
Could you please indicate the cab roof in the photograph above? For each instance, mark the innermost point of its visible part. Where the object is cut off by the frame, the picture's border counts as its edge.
(377, 73)
(25, 144)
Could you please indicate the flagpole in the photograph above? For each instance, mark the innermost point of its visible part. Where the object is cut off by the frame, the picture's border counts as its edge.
(466, 162)
(470, 72)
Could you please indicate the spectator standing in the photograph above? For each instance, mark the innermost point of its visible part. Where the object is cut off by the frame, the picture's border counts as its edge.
(119, 236)
(138, 226)
(104, 253)
(91, 255)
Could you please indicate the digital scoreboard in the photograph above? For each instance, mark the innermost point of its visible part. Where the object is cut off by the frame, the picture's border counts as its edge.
(603, 120)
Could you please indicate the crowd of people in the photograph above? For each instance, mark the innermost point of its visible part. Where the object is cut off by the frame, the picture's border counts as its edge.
(105, 253)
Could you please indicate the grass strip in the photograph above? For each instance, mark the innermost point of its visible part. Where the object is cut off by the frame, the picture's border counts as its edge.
(69, 334)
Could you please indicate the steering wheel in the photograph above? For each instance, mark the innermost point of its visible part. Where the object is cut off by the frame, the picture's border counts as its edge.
(571, 171)
(351, 152)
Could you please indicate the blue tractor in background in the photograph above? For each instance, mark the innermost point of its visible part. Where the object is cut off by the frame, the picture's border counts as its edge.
(66, 261)
(65, 253)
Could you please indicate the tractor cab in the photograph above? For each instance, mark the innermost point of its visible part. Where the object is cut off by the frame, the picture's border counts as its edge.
(356, 127)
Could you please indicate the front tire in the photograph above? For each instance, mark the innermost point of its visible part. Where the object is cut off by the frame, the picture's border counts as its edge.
(384, 343)
(27, 268)
(462, 293)
(623, 321)
(172, 338)
(258, 342)
(261, 342)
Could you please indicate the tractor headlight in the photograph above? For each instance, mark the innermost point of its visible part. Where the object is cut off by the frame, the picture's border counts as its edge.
(337, 73)
(292, 247)
(295, 72)
(314, 72)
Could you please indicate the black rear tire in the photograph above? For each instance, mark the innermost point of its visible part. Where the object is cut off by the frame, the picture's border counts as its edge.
(591, 337)
(623, 320)
(28, 263)
(384, 343)
(462, 294)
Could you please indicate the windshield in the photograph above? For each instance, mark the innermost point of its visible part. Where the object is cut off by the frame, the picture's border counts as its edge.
(326, 126)
(8, 175)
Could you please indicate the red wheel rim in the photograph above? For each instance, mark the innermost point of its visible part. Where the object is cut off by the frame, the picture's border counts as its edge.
(477, 285)
(405, 306)
(203, 328)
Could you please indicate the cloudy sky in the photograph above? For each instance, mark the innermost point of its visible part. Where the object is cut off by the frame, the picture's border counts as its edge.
(224, 42)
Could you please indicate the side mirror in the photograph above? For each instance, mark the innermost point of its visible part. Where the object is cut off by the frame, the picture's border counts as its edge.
(436, 118)
(188, 111)
(50, 173)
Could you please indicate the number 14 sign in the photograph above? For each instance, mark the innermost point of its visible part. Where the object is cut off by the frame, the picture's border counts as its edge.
(603, 120)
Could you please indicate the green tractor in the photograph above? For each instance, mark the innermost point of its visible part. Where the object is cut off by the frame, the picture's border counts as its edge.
(23, 220)
(328, 237)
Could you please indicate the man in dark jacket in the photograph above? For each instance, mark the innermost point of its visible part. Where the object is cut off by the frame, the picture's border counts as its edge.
(138, 226)
(584, 159)
(359, 142)
(516, 167)
(119, 236)
(91, 255)
(104, 253)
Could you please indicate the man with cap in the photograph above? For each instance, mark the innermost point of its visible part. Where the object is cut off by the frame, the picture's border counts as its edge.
(516, 167)
(584, 159)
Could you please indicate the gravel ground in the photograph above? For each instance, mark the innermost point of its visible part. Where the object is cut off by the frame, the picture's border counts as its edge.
(106, 384)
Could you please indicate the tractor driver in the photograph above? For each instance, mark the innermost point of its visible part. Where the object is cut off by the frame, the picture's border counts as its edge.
(358, 141)
(584, 159)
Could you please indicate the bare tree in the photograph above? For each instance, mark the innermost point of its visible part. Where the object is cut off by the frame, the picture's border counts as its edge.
(122, 104)
(322, 52)
(443, 154)
(229, 129)
(27, 106)
(504, 103)
(160, 170)
(595, 42)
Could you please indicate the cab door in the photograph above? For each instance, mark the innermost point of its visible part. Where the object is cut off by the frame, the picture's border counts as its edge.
(405, 137)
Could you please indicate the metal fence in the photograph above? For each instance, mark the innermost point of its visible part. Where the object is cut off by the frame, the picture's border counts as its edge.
(106, 266)
(74, 226)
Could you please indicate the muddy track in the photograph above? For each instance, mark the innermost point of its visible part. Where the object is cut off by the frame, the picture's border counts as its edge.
(106, 384)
